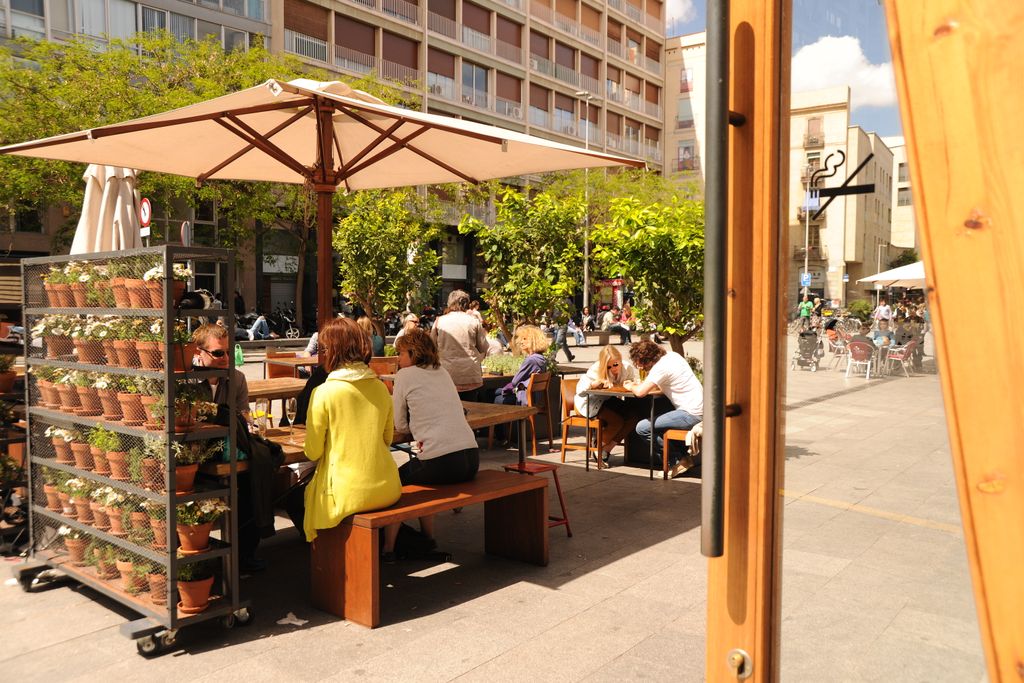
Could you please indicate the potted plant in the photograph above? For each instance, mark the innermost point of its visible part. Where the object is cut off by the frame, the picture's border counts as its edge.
(119, 270)
(75, 541)
(61, 439)
(130, 398)
(188, 456)
(157, 513)
(138, 293)
(80, 451)
(100, 294)
(152, 459)
(502, 364)
(88, 396)
(50, 279)
(88, 338)
(139, 520)
(55, 331)
(195, 521)
(7, 418)
(156, 576)
(154, 277)
(152, 347)
(195, 580)
(52, 480)
(7, 374)
(99, 456)
(116, 503)
(59, 280)
(106, 562)
(79, 275)
(79, 490)
(126, 332)
(113, 447)
(189, 407)
(132, 583)
(100, 517)
(153, 402)
(44, 381)
(64, 494)
(106, 388)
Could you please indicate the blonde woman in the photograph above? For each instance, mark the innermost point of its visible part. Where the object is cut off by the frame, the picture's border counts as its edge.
(617, 419)
(530, 341)
(370, 328)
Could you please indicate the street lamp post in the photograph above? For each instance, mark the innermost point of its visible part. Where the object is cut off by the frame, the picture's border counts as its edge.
(878, 269)
(807, 227)
(585, 94)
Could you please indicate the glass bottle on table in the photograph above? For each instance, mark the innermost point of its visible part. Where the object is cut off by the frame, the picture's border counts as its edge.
(262, 415)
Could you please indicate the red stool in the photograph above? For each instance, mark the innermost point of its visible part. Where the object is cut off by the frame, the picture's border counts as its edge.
(537, 468)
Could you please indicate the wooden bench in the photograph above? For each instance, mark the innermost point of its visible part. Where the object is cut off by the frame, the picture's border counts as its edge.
(345, 560)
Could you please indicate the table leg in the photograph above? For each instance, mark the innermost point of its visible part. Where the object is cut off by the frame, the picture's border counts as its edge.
(586, 448)
(522, 441)
(650, 459)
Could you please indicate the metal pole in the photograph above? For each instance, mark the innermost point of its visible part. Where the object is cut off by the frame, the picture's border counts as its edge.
(807, 228)
(585, 94)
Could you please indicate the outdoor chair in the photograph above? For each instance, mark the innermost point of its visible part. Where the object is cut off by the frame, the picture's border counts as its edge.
(536, 397)
(276, 370)
(385, 365)
(571, 418)
(669, 436)
(860, 354)
(903, 356)
(837, 347)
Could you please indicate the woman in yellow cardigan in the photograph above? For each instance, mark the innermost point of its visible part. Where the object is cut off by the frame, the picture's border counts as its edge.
(348, 433)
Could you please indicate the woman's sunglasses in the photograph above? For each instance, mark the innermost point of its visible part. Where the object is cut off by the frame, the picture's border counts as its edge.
(613, 365)
(216, 353)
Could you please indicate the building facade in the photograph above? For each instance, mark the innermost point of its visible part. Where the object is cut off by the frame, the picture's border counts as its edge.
(686, 64)
(904, 231)
(852, 238)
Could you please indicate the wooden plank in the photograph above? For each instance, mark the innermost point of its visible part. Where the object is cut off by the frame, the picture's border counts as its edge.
(516, 527)
(743, 584)
(275, 388)
(957, 76)
(345, 574)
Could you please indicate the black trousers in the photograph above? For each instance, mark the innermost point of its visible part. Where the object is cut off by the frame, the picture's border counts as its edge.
(452, 468)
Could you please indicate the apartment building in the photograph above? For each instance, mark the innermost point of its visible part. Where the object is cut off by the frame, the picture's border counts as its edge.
(852, 238)
(904, 231)
(686, 63)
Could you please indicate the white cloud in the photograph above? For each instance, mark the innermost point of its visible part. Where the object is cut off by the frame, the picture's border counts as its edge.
(840, 60)
(680, 10)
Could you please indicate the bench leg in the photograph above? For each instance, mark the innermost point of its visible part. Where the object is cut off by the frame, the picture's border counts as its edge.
(345, 574)
(516, 527)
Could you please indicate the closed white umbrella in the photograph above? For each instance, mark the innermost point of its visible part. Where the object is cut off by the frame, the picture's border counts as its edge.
(110, 216)
(910, 276)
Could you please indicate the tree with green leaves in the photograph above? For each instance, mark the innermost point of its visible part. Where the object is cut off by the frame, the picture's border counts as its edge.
(386, 250)
(905, 259)
(659, 248)
(533, 254)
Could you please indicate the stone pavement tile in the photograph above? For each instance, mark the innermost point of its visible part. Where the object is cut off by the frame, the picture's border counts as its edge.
(846, 535)
(798, 587)
(834, 622)
(918, 552)
(817, 564)
(680, 586)
(663, 666)
(801, 516)
(894, 658)
(83, 656)
(941, 506)
(947, 633)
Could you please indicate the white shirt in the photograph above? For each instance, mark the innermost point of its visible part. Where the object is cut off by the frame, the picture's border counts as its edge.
(676, 380)
(427, 405)
(589, 405)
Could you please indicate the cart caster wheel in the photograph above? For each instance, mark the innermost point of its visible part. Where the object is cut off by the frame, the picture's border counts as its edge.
(26, 582)
(244, 616)
(814, 368)
(228, 621)
(149, 646)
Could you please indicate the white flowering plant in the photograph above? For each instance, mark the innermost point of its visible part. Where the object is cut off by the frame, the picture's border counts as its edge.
(67, 532)
(155, 509)
(54, 326)
(55, 432)
(78, 489)
(196, 452)
(179, 271)
(100, 494)
(201, 511)
(100, 329)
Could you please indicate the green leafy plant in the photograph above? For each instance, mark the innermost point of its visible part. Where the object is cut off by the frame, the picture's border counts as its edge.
(155, 509)
(6, 362)
(860, 309)
(390, 350)
(502, 364)
(104, 439)
(195, 571)
(196, 452)
(201, 511)
(9, 471)
(46, 373)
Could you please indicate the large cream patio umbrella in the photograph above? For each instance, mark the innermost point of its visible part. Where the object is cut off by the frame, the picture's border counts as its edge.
(323, 134)
(910, 276)
(110, 211)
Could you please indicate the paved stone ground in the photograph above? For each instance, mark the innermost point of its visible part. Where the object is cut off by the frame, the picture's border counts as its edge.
(875, 582)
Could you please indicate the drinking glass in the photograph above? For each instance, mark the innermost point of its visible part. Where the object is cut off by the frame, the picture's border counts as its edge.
(262, 415)
(291, 407)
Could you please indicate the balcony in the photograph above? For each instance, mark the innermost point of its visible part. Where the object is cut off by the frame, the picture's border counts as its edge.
(590, 35)
(634, 12)
(652, 151)
(590, 84)
(567, 74)
(615, 4)
(815, 252)
(398, 73)
(400, 9)
(655, 23)
(441, 86)
(806, 174)
(517, 4)
(539, 117)
(542, 12)
(306, 46)
(814, 141)
(478, 99)
(652, 109)
(683, 124)
(508, 51)
(690, 164)
(443, 26)
(509, 108)
(353, 60)
(652, 65)
(801, 215)
(476, 40)
(542, 65)
(617, 49)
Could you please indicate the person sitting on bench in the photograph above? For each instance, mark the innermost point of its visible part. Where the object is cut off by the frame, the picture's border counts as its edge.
(427, 406)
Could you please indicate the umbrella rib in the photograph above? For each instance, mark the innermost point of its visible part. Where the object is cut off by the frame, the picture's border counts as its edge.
(341, 157)
(267, 147)
(369, 148)
(400, 143)
(245, 150)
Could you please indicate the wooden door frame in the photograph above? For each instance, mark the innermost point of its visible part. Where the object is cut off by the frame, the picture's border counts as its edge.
(956, 64)
(744, 583)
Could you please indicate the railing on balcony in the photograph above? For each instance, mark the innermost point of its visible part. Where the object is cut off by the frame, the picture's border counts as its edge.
(652, 150)
(652, 109)
(652, 65)
(399, 73)
(479, 99)
(802, 214)
(567, 74)
(509, 108)
(542, 12)
(690, 164)
(613, 140)
(631, 145)
(590, 84)
(632, 100)
(542, 65)
(370, 4)
(517, 4)
(814, 141)
(475, 39)
(512, 53)
(805, 174)
(613, 92)
(592, 36)
(441, 86)
(567, 24)
(815, 252)
(683, 124)
(442, 25)
(539, 117)
(305, 46)
(564, 124)
(655, 23)
(633, 12)
(353, 60)
(615, 4)
(406, 11)
(616, 48)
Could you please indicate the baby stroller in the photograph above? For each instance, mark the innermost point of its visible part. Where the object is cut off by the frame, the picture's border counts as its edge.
(809, 351)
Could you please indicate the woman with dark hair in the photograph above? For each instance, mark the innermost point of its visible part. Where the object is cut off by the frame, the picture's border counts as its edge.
(461, 345)
(348, 433)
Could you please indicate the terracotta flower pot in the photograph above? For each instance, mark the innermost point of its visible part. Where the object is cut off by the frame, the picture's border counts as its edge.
(78, 295)
(104, 295)
(159, 527)
(151, 354)
(83, 458)
(131, 409)
(110, 405)
(181, 356)
(185, 418)
(7, 380)
(116, 519)
(152, 474)
(194, 538)
(67, 509)
(118, 461)
(52, 299)
(109, 352)
(140, 520)
(76, 551)
(138, 294)
(58, 345)
(100, 520)
(89, 351)
(52, 498)
(185, 478)
(65, 299)
(152, 422)
(99, 461)
(156, 293)
(69, 398)
(104, 569)
(127, 355)
(63, 450)
(48, 396)
(90, 400)
(157, 588)
(121, 298)
(195, 595)
(129, 581)
(83, 510)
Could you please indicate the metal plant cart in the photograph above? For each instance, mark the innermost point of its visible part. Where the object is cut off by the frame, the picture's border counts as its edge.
(115, 504)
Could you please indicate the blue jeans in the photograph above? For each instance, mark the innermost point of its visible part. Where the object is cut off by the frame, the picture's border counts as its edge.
(260, 329)
(561, 343)
(624, 336)
(581, 340)
(673, 419)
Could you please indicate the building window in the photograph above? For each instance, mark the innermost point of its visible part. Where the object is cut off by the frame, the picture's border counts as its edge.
(183, 28)
(685, 80)
(904, 176)
(686, 159)
(474, 85)
(27, 220)
(903, 197)
(123, 19)
(153, 19)
(684, 114)
(92, 17)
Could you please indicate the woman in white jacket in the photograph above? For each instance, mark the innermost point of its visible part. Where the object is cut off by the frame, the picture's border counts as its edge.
(610, 370)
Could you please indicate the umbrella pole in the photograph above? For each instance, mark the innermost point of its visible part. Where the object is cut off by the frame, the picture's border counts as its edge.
(324, 256)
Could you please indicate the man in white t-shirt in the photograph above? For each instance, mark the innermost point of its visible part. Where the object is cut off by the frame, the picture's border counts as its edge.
(882, 312)
(671, 374)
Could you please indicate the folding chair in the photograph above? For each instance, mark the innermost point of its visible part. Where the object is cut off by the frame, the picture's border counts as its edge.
(860, 354)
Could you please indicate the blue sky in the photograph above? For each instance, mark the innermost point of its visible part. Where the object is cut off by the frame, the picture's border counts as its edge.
(835, 42)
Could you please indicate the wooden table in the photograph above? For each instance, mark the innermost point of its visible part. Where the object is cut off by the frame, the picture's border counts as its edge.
(273, 389)
(570, 369)
(478, 416)
(295, 362)
(627, 394)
